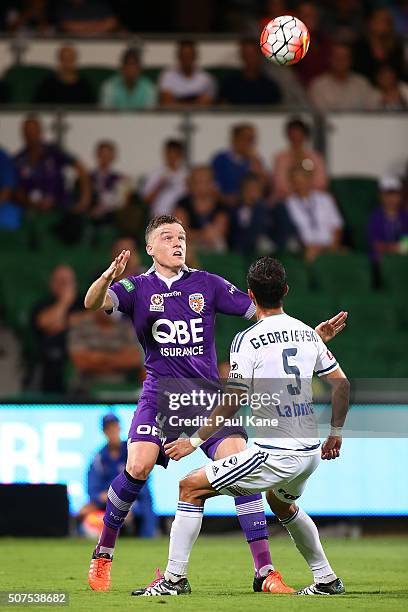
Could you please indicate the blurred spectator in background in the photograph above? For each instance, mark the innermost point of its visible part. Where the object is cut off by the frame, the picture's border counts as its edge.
(10, 212)
(86, 17)
(340, 88)
(50, 321)
(110, 189)
(298, 154)
(128, 90)
(380, 45)
(399, 11)
(343, 20)
(46, 175)
(10, 361)
(270, 10)
(203, 216)
(250, 85)
(388, 224)
(133, 266)
(106, 465)
(315, 216)
(249, 219)
(391, 94)
(103, 350)
(315, 62)
(30, 16)
(186, 84)
(167, 183)
(65, 86)
(231, 166)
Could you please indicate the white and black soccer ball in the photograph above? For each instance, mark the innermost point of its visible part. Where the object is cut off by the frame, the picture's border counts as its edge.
(285, 40)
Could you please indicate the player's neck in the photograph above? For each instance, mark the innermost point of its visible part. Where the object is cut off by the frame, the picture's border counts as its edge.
(262, 313)
(167, 272)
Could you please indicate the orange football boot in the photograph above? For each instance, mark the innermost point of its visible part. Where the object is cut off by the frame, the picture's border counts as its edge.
(99, 577)
(273, 583)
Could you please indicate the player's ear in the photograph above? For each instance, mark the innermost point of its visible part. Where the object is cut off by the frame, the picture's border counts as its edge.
(149, 249)
(251, 295)
(286, 291)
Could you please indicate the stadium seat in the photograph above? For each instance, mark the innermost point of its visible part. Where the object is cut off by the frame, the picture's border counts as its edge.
(297, 273)
(356, 197)
(395, 276)
(231, 266)
(225, 330)
(337, 275)
(96, 75)
(153, 73)
(23, 82)
(308, 307)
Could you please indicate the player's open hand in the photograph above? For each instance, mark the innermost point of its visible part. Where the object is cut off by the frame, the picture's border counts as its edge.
(117, 266)
(179, 448)
(331, 447)
(330, 328)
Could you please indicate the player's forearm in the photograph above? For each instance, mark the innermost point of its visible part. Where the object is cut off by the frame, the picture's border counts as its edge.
(340, 397)
(96, 297)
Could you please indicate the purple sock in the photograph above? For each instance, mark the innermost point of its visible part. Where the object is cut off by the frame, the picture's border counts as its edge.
(121, 495)
(251, 516)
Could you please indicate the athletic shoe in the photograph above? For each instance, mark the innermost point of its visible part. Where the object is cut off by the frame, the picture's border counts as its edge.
(161, 587)
(99, 577)
(272, 583)
(336, 587)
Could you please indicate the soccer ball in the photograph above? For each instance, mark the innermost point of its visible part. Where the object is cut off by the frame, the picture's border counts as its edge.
(285, 40)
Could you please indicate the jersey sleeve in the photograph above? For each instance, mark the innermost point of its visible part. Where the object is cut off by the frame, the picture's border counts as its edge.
(326, 361)
(230, 300)
(123, 295)
(242, 364)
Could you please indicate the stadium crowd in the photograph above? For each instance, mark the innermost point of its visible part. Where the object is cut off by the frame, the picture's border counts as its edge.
(235, 203)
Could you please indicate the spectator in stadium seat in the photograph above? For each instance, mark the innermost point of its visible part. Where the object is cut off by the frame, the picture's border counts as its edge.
(391, 94)
(250, 85)
(128, 90)
(65, 86)
(110, 189)
(186, 84)
(86, 18)
(315, 216)
(10, 212)
(46, 174)
(231, 166)
(203, 216)
(133, 266)
(165, 185)
(103, 350)
(256, 226)
(343, 20)
(388, 223)
(297, 154)
(29, 16)
(315, 62)
(105, 466)
(10, 361)
(380, 45)
(50, 321)
(340, 89)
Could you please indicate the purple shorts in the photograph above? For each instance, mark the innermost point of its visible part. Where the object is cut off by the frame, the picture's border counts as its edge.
(144, 428)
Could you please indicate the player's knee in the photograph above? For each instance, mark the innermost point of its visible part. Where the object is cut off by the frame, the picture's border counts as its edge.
(138, 470)
(186, 490)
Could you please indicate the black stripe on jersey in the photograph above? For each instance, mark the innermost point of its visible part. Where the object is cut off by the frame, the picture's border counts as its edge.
(326, 369)
(238, 341)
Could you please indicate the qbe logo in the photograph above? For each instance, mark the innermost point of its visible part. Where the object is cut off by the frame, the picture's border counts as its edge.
(178, 332)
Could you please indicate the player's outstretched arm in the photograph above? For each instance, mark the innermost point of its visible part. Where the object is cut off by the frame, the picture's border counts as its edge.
(96, 297)
(340, 405)
(327, 330)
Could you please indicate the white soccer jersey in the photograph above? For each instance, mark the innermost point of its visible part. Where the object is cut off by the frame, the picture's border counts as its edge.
(274, 361)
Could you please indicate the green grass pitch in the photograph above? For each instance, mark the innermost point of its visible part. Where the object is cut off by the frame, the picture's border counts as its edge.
(374, 571)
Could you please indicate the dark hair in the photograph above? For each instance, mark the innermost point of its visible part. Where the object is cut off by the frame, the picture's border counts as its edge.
(298, 123)
(172, 143)
(249, 177)
(101, 144)
(130, 54)
(158, 221)
(267, 280)
(240, 127)
(186, 42)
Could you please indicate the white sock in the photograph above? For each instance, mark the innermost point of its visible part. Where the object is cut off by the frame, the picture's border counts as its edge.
(304, 533)
(184, 532)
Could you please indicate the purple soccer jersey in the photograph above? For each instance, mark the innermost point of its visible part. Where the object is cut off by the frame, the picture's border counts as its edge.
(175, 327)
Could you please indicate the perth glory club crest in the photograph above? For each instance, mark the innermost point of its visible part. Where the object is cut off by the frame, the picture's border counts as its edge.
(196, 302)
